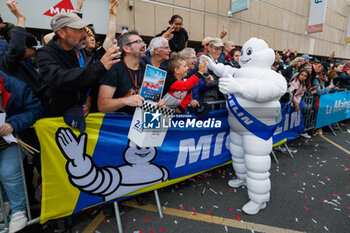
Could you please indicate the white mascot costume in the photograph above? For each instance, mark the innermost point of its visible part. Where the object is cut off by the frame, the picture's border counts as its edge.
(253, 93)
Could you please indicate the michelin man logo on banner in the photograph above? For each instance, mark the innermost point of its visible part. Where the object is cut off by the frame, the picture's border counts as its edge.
(109, 181)
(253, 93)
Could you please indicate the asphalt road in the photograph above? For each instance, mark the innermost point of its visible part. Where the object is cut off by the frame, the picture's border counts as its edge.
(310, 193)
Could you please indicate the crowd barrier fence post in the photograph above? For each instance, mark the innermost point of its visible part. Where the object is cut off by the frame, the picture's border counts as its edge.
(117, 217)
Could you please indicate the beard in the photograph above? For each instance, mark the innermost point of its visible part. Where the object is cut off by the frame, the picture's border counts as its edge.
(78, 46)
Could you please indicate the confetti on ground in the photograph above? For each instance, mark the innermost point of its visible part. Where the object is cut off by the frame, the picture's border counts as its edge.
(322, 182)
(181, 207)
(193, 209)
(175, 221)
(106, 220)
(325, 228)
(239, 210)
(305, 196)
(208, 213)
(238, 218)
(306, 208)
(337, 209)
(300, 191)
(229, 190)
(296, 219)
(203, 191)
(134, 220)
(252, 231)
(146, 219)
(213, 190)
(151, 231)
(161, 228)
(226, 229)
(230, 209)
(215, 206)
(181, 194)
(314, 220)
(166, 203)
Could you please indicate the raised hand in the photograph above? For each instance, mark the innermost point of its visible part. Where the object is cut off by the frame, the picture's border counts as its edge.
(12, 5)
(113, 6)
(109, 58)
(202, 67)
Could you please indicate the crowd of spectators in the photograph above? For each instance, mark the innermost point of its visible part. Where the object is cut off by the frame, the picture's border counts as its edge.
(75, 74)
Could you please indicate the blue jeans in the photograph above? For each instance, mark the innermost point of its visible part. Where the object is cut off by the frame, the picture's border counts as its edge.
(11, 177)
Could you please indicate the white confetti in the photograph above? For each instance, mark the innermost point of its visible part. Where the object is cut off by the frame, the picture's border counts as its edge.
(226, 229)
(314, 220)
(208, 183)
(322, 182)
(213, 190)
(181, 194)
(325, 228)
(313, 186)
(283, 173)
(312, 198)
(164, 208)
(166, 203)
(203, 191)
(221, 193)
(215, 206)
(201, 207)
(337, 209)
(300, 191)
(335, 200)
(134, 220)
(348, 194)
(236, 191)
(175, 221)
(303, 183)
(296, 219)
(97, 231)
(239, 210)
(252, 231)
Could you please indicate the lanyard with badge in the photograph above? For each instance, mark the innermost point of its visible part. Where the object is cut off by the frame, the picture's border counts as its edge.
(135, 81)
(82, 64)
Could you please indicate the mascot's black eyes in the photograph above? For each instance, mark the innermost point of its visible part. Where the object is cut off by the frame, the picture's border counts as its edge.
(249, 51)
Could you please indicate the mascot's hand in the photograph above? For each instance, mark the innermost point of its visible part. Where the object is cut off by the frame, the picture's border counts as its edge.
(70, 147)
(219, 69)
(228, 85)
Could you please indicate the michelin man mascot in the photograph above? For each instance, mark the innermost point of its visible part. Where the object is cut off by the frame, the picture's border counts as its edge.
(253, 93)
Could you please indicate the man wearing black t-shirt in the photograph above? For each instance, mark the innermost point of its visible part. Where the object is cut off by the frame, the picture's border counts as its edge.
(120, 85)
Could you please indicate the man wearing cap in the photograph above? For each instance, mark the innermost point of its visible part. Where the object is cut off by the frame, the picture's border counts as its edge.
(211, 93)
(307, 58)
(65, 71)
(205, 46)
(15, 57)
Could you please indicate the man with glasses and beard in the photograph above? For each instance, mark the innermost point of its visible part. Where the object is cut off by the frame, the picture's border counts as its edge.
(119, 90)
(66, 73)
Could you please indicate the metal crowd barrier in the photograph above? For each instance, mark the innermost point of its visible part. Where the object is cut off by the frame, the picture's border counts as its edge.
(309, 112)
(4, 227)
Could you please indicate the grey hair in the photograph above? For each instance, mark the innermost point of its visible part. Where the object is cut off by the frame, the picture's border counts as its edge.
(187, 52)
(155, 43)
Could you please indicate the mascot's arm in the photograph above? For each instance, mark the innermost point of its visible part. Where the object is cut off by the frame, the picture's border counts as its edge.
(219, 69)
(262, 90)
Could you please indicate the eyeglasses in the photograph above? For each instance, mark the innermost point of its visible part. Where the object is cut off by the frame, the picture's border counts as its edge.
(136, 41)
(167, 47)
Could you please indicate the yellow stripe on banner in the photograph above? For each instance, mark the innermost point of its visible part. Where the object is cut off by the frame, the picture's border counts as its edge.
(335, 144)
(280, 142)
(211, 219)
(60, 200)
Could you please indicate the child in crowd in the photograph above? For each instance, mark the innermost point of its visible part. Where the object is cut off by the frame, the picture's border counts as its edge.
(177, 91)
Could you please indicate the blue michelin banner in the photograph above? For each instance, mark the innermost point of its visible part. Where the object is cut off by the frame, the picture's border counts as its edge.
(291, 125)
(333, 108)
(101, 165)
